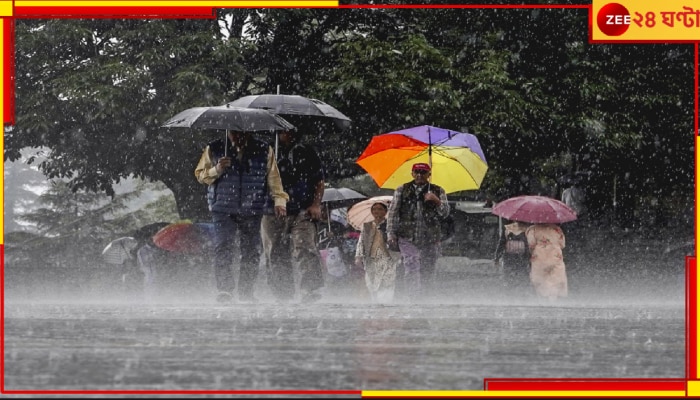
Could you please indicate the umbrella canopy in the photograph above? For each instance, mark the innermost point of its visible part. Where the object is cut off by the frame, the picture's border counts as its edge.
(340, 197)
(230, 118)
(293, 105)
(145, 233)
(361, 212)
(435, 136)
(457, 160)
(340, 215)
(184, 237)
(119, 250)
(534, 209)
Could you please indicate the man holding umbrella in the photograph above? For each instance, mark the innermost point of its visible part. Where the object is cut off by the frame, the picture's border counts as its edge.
(291, 240)
(413, 224)
(240, 174)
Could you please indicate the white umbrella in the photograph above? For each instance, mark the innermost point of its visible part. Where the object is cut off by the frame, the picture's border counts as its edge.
(362, 211)
(119, 250)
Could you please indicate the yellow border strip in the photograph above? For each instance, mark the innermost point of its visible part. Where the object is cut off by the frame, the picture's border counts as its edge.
(693, 388)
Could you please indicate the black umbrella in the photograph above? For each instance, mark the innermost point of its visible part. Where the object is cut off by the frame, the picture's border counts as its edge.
(227, 117)
(305, 113)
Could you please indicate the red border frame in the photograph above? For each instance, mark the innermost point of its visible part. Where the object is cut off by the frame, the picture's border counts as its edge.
(490, 384)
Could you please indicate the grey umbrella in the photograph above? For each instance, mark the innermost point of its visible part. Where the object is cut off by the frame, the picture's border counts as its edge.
(339, 198)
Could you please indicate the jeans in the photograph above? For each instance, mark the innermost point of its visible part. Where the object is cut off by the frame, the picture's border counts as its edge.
(225, 228)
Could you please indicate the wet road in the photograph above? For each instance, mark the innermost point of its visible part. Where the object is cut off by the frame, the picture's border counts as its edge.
(93, 337)
(329, 346)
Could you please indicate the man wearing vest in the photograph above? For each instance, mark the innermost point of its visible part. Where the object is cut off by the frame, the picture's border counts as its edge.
(413, 224)
(290, 241)
(240, 178)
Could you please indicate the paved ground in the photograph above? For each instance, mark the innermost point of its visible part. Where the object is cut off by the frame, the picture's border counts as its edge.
(333, 346)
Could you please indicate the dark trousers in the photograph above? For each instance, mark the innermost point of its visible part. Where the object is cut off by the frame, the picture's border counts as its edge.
(516, 273)
(419, 267)
(225, 228)
(288, 242)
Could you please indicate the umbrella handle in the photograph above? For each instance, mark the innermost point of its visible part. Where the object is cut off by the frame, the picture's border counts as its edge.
(328, 213)
(430, 155)
(225, 143)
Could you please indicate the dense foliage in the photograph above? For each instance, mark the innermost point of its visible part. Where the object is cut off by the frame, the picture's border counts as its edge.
(542, 100)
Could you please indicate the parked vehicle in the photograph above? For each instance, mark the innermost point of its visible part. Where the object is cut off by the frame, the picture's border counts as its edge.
(476, 231)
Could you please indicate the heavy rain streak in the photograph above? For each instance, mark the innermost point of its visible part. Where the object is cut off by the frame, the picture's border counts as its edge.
(341, 200)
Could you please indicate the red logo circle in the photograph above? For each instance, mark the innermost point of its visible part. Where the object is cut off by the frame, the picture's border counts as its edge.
(613, 19)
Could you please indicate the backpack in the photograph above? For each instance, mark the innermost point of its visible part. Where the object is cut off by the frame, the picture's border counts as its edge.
(516, 244)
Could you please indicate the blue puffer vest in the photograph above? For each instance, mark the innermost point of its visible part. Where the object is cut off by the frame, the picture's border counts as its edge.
(242, 189)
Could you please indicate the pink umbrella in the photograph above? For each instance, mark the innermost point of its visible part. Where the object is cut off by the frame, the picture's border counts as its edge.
(534, 209)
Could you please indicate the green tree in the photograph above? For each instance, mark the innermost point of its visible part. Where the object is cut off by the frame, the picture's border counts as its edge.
(96, 91)
(72, 227)
(541, 99)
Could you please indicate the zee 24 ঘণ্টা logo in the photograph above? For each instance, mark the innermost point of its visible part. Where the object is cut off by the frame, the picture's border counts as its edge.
(670, 20)
(613, 19)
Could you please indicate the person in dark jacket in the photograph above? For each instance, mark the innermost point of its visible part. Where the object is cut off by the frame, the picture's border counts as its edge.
(290, 241)
(241, 174)
(414, 226)
(514, 255)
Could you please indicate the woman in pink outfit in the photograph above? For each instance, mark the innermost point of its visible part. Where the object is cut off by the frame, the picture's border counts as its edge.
(548, 272)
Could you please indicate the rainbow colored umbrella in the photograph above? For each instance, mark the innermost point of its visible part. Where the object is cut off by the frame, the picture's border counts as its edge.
(457, 160)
